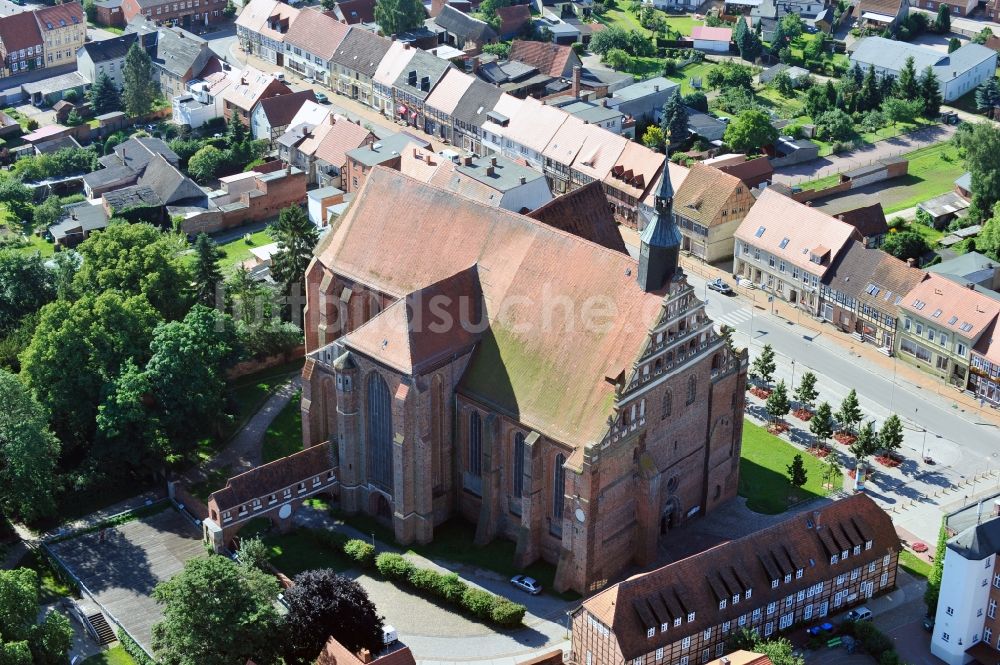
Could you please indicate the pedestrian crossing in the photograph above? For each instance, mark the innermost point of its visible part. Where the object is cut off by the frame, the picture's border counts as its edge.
(735, 318)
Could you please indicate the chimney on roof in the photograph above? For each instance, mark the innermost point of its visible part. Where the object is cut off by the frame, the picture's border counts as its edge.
(406, 45)
(493, 161)
(523, 180)
(575, 89)
(912, 262)
(333, 119)
(467, 161)
(973, 287)
(365, 656)
(490, 171)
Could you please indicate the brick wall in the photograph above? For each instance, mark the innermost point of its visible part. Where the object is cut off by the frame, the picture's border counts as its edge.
(258, 364)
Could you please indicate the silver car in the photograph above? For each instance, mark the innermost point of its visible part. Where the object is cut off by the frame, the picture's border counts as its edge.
(528, 584)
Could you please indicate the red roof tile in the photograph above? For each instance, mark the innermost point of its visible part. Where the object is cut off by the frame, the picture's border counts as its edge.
(513, 18)
(357, 11)
(273, 477)
(958, 308)
(317, 33)
(584, 212)
(60, 16)
(549, 58)
(19, 31)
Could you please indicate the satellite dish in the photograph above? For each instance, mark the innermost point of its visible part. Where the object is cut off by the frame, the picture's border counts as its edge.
(580, 515)
(285, 512)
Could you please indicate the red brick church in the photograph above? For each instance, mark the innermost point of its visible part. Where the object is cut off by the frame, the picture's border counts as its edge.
(467, 360)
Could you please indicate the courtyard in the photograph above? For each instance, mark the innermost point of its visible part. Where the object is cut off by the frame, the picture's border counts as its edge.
(121, 565)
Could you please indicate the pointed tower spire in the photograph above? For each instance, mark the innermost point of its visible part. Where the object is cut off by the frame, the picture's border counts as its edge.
(660, 241)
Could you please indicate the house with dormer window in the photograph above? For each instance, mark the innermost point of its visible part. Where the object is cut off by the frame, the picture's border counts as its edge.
(20, 44)
(709, 208)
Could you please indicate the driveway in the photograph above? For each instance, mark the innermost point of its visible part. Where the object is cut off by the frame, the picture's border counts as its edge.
(863, 156)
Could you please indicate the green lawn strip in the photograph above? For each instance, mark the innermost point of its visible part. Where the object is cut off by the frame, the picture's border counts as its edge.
(238, 251)
(52, 586)
(250, 392)
(698, 70)
(930, 234)
(822, 183)
(284, 436)
(913, 564)
(764, 474)
(453, 542)
(296, 551)
(114, 656)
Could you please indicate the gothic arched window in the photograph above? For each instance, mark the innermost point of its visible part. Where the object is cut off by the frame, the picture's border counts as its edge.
(558, 489)
(692, 389)
(518, 465)
(668, 405)
(474, 464)
(379, 432)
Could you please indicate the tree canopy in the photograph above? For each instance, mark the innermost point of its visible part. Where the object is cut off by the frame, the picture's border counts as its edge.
(906, 245)
(25, 285)
(397, 16)
(23, 639)
(750, 131)
(28, 453)
(615, 37)
(296, 237)
(139, 90)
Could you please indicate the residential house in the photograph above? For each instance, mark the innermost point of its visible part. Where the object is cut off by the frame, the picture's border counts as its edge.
(517, 78)
(469, 115)
(320, 148)
(680, 376)
(355, 62)
(942, 320)
(768, 12)
(551, 59)
(353, 12)
(64, 32)
(462, 31)
(984, 369)
(861, 293)
(869, 221)
(644, 100)
(105, 57)
(881, 14)
(272, 115)
(77, 222)
(957, 7)
(971, 267)
(494, 181)
(753, 172)
(514, 20)
(261, 28)
(796, 74)
(414, 85)
(248, 88)
(562, 151)
(958, 72)
(311, 42)
(709, 207)
(386, 152)
(442, 102)
(335, 653)
(389, 68)
(965, 625)
(183, 13)
(597, 114)
(716, 40)
(178, 56)
(20, 44)
(798, 571)
(125, 164)
(204, 100)
(787, 248)
(631, 180)
(321, 203)
(530, 130)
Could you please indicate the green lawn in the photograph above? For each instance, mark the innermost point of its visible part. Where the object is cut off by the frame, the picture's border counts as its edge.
(932, 172)
(764, 475)
(699, 70)
(294, 552)
(914, 565)
(238, 250)
(249, 392)
(930, 234)
(284, 436)
(625, 19)
(52, 588)
(114, 656)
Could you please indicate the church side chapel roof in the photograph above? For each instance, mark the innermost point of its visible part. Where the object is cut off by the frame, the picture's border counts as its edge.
(530, 363)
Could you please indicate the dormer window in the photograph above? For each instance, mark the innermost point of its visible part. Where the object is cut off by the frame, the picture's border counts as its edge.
(857, 550)
(651, 632)
(788, 578)
(843, 555)
(677, 622)
(798, 574)
(722, 604)
(663, 627)
(834, 559)
(774, 584)
(868, 545)
(736, 598)
(747, 594)
(690, 617)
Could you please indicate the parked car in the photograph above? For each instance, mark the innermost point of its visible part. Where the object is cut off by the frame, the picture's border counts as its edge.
(321, 98)
(720, 286)
(859, 614)
(528, 584)
(280, 76)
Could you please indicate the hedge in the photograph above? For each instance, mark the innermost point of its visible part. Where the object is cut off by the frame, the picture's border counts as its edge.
(449, 587)
(360, 552)
(133, 649)
(874, 641)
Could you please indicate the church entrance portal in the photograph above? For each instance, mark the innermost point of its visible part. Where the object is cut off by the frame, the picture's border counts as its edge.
(671, 515)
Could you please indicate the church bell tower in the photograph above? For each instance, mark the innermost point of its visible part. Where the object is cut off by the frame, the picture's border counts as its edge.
(659, 250)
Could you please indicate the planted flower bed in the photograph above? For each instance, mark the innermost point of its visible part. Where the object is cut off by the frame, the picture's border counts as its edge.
(888, 461)
(804, 415)
(778, 427)
(760, 393)
(819, 451)
(845, 438)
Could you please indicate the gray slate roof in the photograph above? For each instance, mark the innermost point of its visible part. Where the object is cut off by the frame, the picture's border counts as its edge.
(424, 65)
(477, 101)
(130, 197)
(110, 49)
(963, 265)
(645, 88)
(459, 23)
(173, 50)
(106, 176)
(170, 185)
(83, 215)
(387, 149)
(506, 175)
(977, 542)
(891, 54)
(361, 51)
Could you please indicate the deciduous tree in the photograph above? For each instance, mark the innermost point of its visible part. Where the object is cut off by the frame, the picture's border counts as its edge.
(398, 16)
(850, 414)
(890, 437)
(25, 285)
(323, 604)
(204, 165)
(821, 424)
(750, 131)
(906, 245)
(777, 402)
(866, 443)
(806, 393)
(216, 612)
(763, 366)
(28, 453)
(797, 475)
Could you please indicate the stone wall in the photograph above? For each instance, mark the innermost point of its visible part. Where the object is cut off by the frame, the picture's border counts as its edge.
(259, 364)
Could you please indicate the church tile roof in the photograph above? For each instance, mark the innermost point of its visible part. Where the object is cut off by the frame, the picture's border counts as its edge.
(583, 212)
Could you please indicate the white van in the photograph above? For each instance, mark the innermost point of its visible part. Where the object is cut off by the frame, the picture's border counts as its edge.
(389, 635)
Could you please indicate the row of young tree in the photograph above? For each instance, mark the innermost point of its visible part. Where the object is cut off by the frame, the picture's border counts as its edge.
(122, 349)
(866, 441)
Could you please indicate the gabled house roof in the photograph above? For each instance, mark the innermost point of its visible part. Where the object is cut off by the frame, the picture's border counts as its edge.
(396, 59)
(952, 306)
(513, 19)
(868, 220)
(56, 17)
(170, 185)
(316, 33)
(250, 86)
(697, 584)
(173, 50)
(752, 171)
(273, 477)
(795, 232)
(890, 8)
(19, 31)
(264, 16)
(352, 12)
(546, 57)
(110, 49)
(478, 100)
(440, 235)
(584, 212)
(449, 92)
(462, 25)
(280, 109)
(341, 136)
(600, 151)
(534, 124)
(705, 194)
(361, 51)
(704, 32)
(636, 170)
(421, 74)
(891, 54)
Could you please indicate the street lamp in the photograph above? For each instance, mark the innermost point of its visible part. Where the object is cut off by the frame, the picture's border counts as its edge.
(793, 375)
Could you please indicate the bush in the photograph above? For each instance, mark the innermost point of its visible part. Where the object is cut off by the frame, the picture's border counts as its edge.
(873, 640)
(360, 552)
(889, 658)
(133, 649)
(506, 613)
(393, 566)
(451, 588)
(479, 602)
(425, 579)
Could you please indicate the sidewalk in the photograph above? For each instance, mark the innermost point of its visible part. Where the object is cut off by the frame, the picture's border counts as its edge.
(833, 338)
